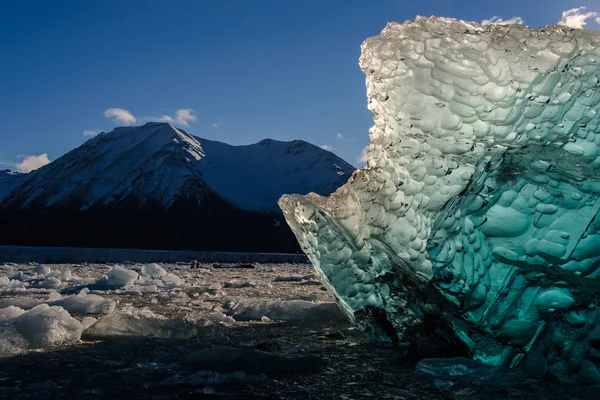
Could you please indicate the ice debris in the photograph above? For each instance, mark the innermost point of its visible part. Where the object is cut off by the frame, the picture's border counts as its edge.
(134, 322)
(41, 278)
(150, 279)
(84, 303)
(154, 271)
(291, 311)
(118, 277)
(478, 204)
(42, 326)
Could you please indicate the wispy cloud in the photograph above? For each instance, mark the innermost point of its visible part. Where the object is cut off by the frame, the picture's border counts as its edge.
(182, 117)
(577, 17)
(215, 125)
(495, 20)
(120, 115)
(30, 163)
(91, 132)
(339, 136)
(326, 147)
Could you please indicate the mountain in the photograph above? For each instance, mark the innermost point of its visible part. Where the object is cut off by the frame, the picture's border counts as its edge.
(8, 181)
(156, 186)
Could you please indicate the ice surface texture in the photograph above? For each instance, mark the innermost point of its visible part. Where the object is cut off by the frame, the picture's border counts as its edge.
(478, 202)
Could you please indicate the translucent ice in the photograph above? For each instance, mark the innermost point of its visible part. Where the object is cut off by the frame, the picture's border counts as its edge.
(477, 206)
(43, 326)
(137, 322)
(118, 277)
(153, 270)
(41, 270)
(84, 303)
(81, 304)
(10, 312)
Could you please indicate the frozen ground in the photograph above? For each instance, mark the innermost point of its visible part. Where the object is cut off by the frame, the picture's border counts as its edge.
(217, 331)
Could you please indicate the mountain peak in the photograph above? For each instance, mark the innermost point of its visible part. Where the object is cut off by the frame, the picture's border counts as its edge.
(152, 135)
(160, 162)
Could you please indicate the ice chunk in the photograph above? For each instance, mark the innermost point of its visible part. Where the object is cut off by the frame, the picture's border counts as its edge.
(212, 289)
(49, 283)
(139, 323)
(153, 270)
(10, 312)
(88, 322)
(54, 295)
(150, 289)
(65, 275)
(135, 289)
(44, 326)
(21, 302)
(11, 343)
(172, 280)
(118, 277)
(235, 284)
(7, 284)
(86, 304)
(41, 270)
(482, 185)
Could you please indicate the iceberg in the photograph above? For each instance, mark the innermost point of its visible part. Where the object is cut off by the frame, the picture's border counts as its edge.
(474, 220)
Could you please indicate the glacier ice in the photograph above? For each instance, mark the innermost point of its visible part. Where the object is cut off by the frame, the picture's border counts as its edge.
(153, 270)
(41, 327)
(84, 303)
(119, 277)
(477, 207)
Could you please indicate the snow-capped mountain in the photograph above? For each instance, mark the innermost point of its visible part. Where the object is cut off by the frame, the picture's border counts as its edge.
(156, 181)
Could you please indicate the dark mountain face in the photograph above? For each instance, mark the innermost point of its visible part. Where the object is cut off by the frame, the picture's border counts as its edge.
(158, 187)
(214, 226)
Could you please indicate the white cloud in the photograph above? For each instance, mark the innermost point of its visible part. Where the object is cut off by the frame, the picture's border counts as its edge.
(495, 20)
(182, 117)
(363, 158)
(120, 115)
(339, 136)
(576, 17)
(91, 132)
(31, 163)
(215, 125)
(326, 147)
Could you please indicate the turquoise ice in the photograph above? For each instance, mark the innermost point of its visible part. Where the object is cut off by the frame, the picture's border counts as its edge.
(478, 205)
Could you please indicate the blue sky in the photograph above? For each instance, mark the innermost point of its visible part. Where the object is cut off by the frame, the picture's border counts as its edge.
(237, 71)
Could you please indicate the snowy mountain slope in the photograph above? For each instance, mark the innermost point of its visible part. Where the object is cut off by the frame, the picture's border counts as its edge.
(159, 187)
(149, 162)
(157, 163)
(8, 181)
(254, 177)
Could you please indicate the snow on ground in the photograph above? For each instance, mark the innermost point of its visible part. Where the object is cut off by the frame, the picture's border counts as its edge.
(49, 306)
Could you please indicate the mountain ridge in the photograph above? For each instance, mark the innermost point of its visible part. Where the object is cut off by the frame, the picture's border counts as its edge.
(161, 179)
